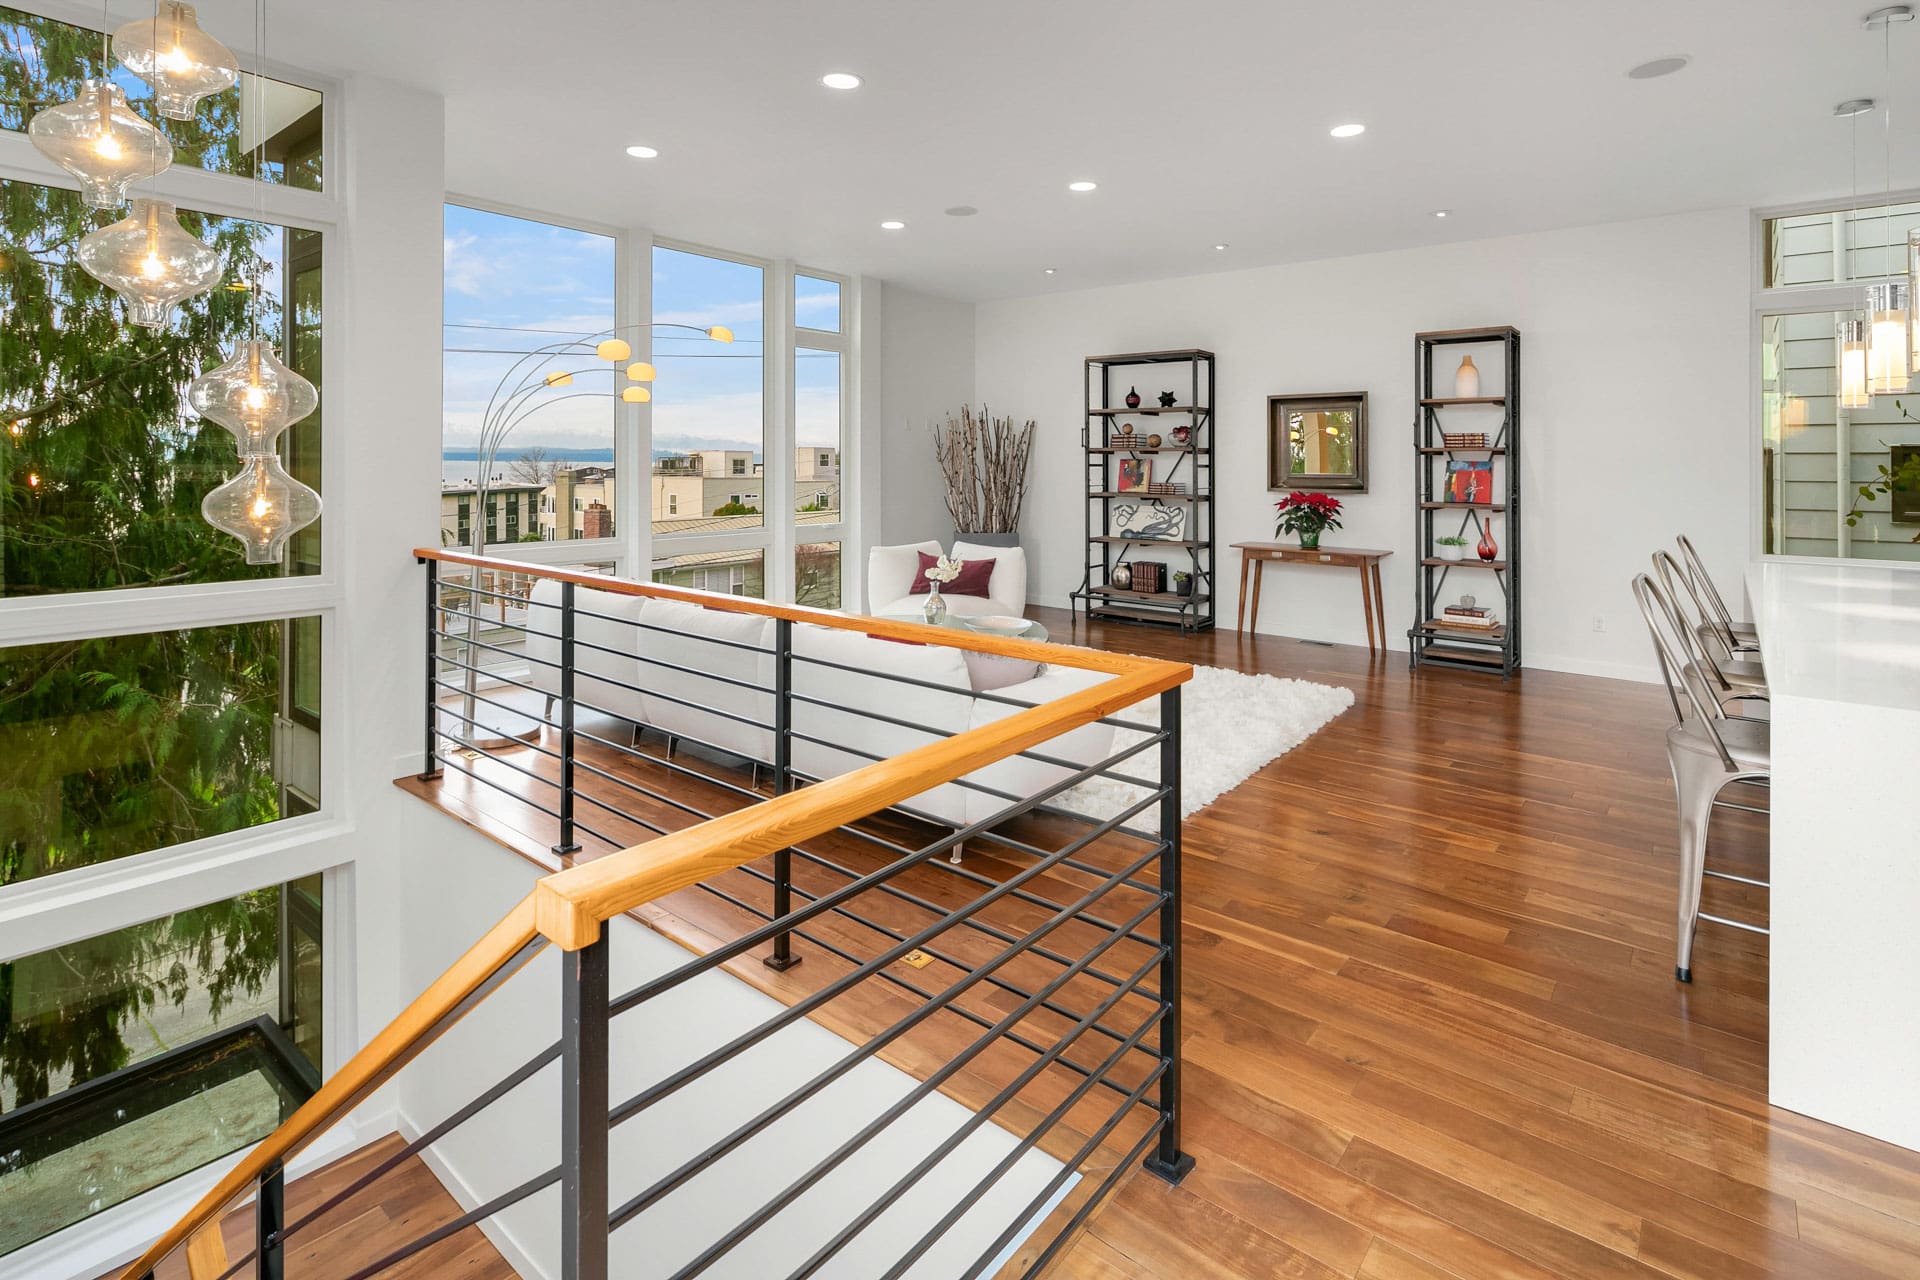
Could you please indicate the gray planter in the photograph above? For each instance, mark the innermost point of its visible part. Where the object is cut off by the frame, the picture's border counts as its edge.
(989, 539)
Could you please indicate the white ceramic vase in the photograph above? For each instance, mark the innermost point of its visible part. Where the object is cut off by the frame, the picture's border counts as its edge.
(1466, 379)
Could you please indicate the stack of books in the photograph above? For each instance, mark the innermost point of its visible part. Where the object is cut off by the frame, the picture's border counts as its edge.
(1167, 487)
(1146, 576)
(1464, 439)
(1466, 618)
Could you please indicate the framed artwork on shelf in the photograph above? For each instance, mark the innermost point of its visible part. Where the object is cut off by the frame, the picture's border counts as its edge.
(1155, 520)
(1135, 474)
(1469, 481)
(1317, 443)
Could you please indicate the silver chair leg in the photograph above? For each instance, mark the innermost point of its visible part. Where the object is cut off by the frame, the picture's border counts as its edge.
(1697, 779)
(957, 852)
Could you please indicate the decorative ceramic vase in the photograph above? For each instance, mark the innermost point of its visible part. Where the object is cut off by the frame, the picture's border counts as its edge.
(1449, 551)
(1310, 541)
(1166, 399)
(1121, 577)
(1488, 549)
(1153, 441)
(1133, 398)
(1466, 379)
(1181, 435)
(936, 607)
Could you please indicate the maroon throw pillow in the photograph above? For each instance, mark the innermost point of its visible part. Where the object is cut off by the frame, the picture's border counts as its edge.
(973, 579)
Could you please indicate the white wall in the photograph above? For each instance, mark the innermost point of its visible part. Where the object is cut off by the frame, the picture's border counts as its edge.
(1634, 342)
(928, 372)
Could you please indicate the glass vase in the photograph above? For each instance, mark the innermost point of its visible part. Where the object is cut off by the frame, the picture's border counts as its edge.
(936, 608)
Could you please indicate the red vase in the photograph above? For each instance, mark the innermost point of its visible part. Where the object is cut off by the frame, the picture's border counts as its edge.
(1488, 549)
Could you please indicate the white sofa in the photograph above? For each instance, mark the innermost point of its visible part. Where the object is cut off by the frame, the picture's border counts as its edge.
(843, 668)
(891, 571)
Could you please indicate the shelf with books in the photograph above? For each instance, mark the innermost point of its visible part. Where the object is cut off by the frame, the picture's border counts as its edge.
(1133, 516)
(1468, 476)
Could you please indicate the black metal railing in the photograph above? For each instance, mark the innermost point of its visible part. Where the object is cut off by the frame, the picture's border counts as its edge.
(961, 1053)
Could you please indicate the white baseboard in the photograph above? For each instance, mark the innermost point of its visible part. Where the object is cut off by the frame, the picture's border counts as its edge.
(1588, 667)
(468, 1199)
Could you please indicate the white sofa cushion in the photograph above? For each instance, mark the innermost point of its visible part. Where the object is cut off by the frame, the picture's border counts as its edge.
(891, 571)
(603, 621)
(706, 643)
(946, 711)
(1008, 586)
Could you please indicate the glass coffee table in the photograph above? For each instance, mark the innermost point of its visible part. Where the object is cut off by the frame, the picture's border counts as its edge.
(986, 671)
(953, 622)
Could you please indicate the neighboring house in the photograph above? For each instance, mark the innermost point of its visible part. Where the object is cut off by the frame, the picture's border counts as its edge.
(513, 508)
(690, 486)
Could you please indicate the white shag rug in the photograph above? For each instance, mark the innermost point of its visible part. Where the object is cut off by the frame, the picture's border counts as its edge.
(1231, 724)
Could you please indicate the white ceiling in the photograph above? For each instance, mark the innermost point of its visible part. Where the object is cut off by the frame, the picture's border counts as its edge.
(1203, 121)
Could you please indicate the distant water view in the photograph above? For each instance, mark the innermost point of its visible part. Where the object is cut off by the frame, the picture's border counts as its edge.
(458, 466)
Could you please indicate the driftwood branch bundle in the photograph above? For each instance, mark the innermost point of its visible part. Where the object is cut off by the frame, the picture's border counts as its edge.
(983, 464)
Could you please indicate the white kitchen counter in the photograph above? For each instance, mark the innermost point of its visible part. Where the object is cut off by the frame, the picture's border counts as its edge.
(1841, 644)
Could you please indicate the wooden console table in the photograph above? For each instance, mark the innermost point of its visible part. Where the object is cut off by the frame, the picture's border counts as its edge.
(1255, 556)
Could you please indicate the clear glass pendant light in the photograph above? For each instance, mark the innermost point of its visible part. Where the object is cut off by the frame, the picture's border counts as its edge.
(1853, 364)
(170, 52)
(1913, 301)
(150, 261)
(1889, 362)
(263, 506)
(99, 140)
(253, 395)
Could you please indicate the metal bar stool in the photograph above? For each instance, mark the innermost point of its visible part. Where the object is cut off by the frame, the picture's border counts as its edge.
(1736, 637)
(1738, 684)
(1708, 751)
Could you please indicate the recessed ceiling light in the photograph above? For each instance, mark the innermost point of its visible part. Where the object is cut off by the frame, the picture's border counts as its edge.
(840, 80)
(962, 211)
(1441, 213)
(1219, 248)
(1347, 130)
(1855, 107)
(1049, 270)
(1659, 67)
(642, 153)
(1082, 186)
(891, 225)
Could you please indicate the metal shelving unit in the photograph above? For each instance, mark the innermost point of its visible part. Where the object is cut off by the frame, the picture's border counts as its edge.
(1190, 464)
(1431, 643)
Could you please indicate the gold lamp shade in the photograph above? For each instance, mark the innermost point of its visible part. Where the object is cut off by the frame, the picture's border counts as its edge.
(640, 371)
(559, 378)
(635, 395)
(614, 349)
(720, 333)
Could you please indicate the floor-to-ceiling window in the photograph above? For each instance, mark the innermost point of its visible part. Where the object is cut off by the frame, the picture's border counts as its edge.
(708, 486)
(1836, 478)
(820, 431)
(160, 698)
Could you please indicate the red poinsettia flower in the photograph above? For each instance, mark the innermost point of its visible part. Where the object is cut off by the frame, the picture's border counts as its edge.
(1307, 513)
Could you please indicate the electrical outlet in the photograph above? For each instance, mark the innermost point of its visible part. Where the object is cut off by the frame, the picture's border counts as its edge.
(1599, 623)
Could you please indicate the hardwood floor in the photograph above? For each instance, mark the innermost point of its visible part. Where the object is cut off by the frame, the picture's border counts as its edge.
(1432, 1027)
(400, 1206)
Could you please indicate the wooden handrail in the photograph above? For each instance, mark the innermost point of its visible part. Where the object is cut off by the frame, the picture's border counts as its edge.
(569, 907)
(886, 628)
(397, 1044)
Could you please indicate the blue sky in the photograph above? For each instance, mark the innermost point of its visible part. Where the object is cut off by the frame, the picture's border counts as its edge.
(512, 285)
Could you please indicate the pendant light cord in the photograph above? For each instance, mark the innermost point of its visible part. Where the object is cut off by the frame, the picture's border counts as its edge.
(1886, 142)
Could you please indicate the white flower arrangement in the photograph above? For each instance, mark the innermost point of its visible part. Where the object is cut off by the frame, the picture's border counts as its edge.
(946, 571)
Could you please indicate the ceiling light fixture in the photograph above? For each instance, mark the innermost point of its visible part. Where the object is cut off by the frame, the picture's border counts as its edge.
(840, 80)
(150, 261)
(1083, 186)
(99, 140)
(170, 52)
(1658, 67)
(1442, 213)
(893, 225)
(1888, 304)
(1347, 130)
(1850, 360)
(639, 152)
(1049, 270)
(1220, 248)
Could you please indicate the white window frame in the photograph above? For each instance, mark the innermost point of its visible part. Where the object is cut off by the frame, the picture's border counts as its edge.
(1799, 299)
(841, 343)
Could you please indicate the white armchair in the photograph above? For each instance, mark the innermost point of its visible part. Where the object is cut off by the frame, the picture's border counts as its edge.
(891, 570)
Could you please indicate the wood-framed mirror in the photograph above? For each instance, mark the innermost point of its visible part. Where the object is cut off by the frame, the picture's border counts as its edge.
(1317, 443)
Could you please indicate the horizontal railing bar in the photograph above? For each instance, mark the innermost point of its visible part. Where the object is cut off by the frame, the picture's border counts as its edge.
(495, 623)
(519, 1076)
(695, 672)
(701, 707)
(507, 1199)
(673, 766)
(1021, 846)
(498, 706)
(492, 673)
(601, 835)
(980, 1117)
(966, 873)
(978, 695)
(621, 814)
(992, 931)
(834, 1159)
(1120, 1169)
(502, 789)
(637, 625)
(958, 1010)
(493, 758)
(739, 1044)
(739, 946)
(635, 787)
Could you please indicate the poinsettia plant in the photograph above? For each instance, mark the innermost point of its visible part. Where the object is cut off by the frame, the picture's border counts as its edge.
(1307, 514)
